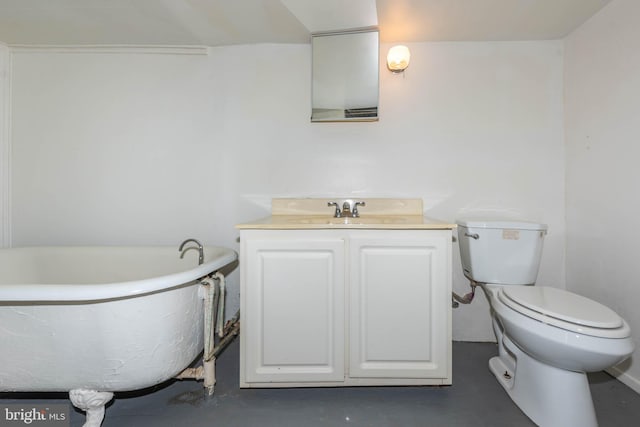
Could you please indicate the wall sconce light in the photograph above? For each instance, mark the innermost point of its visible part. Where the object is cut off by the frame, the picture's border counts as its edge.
(398, 58)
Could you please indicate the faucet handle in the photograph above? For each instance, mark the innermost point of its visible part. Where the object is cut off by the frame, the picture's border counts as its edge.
(337, 213)
(354, 211)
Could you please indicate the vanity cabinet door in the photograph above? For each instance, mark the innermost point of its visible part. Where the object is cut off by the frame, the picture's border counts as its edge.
(400, 302)
(292, 305)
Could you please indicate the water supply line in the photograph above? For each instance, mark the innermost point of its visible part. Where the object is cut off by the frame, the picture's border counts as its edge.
(220, 304)
(456, 299)
(212, 286)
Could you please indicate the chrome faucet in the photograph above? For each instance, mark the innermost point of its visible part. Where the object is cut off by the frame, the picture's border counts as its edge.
(349, 209)
(200, 249)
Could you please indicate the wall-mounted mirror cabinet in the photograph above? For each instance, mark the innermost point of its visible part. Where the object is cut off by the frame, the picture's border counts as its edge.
(345, 76)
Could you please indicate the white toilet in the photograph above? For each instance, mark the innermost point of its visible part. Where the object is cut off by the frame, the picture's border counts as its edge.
(547, 337)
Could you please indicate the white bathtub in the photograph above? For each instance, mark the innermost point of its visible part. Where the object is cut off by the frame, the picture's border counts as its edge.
(100, 318)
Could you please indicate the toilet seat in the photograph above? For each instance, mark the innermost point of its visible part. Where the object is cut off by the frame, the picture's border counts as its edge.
(564, 310)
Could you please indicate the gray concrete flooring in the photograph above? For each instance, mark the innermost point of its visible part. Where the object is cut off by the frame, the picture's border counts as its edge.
(475, 399)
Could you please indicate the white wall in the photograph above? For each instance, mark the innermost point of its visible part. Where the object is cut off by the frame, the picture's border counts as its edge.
(602, 112)
(151, 149)
(5, 152)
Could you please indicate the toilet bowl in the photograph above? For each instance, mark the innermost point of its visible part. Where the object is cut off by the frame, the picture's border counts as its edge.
(543, 366)
(547, 338)
(573, 345)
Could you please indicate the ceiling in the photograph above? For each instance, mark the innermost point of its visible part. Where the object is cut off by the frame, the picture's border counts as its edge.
(227, 22)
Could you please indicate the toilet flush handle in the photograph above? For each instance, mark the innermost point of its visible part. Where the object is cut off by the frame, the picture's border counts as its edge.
(473, 236)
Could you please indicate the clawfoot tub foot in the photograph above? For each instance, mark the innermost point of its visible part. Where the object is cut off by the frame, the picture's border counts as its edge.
(92, 402)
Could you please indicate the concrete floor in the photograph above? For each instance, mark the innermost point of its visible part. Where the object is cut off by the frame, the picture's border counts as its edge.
(475, 399)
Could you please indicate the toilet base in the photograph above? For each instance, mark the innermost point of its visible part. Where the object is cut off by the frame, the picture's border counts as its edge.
(551, 397)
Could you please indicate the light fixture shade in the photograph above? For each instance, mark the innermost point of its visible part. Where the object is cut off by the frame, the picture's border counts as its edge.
(398, 58)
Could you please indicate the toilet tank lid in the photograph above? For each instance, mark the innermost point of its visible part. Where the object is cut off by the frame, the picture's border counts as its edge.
(501, 224)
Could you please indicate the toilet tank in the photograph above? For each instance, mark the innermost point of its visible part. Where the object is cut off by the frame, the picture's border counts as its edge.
(501, 252)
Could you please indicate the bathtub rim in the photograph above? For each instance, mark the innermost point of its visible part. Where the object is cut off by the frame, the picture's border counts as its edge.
(52, 292)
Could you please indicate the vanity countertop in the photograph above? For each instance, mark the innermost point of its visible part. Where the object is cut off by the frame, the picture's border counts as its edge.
(393, 214)
(297, 222)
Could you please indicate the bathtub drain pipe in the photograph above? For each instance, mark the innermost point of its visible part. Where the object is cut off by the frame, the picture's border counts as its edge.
(196, 373)
(214, 287)
(456, 299)
(212, 311)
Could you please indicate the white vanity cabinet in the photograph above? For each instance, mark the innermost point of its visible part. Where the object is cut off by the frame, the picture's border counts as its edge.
(292, 307)
(343, 307)
(400, 304)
